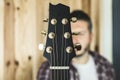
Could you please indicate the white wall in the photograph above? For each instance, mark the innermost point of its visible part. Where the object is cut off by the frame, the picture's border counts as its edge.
(106, 29)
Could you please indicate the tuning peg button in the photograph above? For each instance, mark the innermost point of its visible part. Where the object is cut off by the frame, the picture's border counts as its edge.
(64, 21)
(45, 20)
(41, 46)
(69, 49)
(53, 21)
(67, 35)
(74, 19)
(51, 35)
(49, 49)
(43, 32)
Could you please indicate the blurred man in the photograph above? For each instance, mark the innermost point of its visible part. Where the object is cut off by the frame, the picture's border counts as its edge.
(87, 65)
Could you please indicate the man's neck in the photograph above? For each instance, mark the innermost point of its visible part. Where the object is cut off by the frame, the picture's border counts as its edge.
(82, 59)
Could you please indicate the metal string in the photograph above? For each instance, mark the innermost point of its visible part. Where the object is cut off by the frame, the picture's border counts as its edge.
(62, 47)
(53, 58)
(56, 50)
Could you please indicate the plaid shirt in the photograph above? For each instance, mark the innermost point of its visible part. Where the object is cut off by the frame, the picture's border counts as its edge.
(104, 69)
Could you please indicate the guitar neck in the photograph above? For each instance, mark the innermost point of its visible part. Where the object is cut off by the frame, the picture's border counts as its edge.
(58, 74)
(59, 48)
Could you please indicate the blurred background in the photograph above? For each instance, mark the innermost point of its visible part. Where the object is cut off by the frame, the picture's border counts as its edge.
(21, 23)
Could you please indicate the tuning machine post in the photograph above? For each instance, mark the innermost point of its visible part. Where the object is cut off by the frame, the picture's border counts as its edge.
(73, 19)
(44, 32)
(69, 49)
(45, 20)
(41, 46)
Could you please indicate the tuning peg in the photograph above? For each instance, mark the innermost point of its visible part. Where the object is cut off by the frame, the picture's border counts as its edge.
(41, 46)
(53, 21)
(51, 35)
(69, 49)
(74, 19)
(45, 20)
(64, 21)
(49, 49)
(67, 35)
(44, 32)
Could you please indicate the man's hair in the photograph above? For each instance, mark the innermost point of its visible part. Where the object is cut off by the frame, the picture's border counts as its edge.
(80, 15)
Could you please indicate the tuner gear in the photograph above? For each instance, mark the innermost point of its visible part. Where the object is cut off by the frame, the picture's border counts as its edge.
(51, 35)
(73, 19)
(49, 49)
(53, 21)
(44, 33)
(45, 20)
(64, 21)
(67, 35)
(41, 46)
(69, 49)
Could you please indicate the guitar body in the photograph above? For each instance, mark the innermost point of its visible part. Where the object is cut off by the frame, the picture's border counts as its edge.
(59, 48)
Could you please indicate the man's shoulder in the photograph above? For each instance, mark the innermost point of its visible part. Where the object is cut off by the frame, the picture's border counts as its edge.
(100, 59)
(43, 71)
(45, 63)
(44, 66)
(104, 67)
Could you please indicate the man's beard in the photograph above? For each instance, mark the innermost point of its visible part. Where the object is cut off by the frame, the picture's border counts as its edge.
(84, 51)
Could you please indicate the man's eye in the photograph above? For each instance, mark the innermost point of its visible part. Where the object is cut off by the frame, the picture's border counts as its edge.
(78, 33)
(75, 33)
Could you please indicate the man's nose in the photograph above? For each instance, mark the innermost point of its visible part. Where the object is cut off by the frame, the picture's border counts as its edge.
(75, 39)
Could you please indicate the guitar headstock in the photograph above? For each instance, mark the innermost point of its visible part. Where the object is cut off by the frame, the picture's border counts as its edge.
(59, 48)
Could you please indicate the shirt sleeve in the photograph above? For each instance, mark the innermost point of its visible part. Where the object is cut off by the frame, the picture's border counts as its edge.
(43, 73)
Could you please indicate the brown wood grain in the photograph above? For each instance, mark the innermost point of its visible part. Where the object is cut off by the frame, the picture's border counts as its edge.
(23, 23)
(9, 48)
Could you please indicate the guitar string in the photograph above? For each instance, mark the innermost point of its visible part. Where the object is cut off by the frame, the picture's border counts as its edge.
(62, 48)
(51, 63)
(68, 55)
(53, 70)
(53, 58)
(67, 59)
(64, 56)
(56, 51)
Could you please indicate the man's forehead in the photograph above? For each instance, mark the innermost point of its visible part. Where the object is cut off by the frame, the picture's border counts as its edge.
(78, 28)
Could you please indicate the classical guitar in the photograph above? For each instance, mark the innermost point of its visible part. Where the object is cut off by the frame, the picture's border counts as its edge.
(59, 48)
